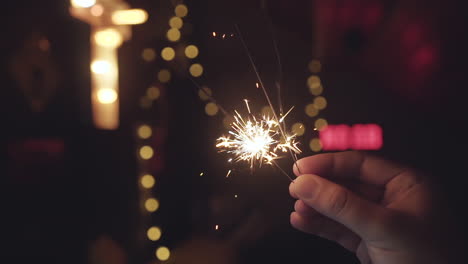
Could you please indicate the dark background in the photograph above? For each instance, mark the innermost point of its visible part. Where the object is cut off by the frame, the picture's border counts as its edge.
(66, 185)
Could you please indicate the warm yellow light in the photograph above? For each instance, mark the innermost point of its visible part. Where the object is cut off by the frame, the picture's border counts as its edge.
(144, 132)
(320, 102)
(315, 66)
(311, 110)
(211, 109)
(151, 205)
(298, 129)
(108, 38)
(107, 96)
(191, 51)
(129, 17)
(168, 53)
(176, 22)
(321, 124)
(173, 34)
(205, 93)
(148, 54)
(83, 3)
(181, 10)
(163, 253)
(97, 10)
(153, 93)
(314, 82)
(147, 181)
(146, 152)
(315, 145)
(164, 76)
(101, 67)
(316, 91)
(196, 70)
(154, 233)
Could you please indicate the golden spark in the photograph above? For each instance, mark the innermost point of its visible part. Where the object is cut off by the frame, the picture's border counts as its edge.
(256, 139)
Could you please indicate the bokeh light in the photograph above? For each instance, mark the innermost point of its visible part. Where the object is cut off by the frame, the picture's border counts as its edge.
(148, 54)
(168, 53)
(181, 10)
(316, 91)
(107, 96)
(173, 34)
(298, 129)
(83, 3)
(315, 145)
(191, 51)
(211, 109)
(176, 22)
(314, 82)
(311, 110)
(101, 67)
(320, 102)
(315, 66)
(204, 93)
(144, 132)
(154, 233)
(110, 38)
(164, 76)
(97, 10)
(151, 205)
(321, 124)
(196, 70)
(146, 152)
(129, 17)
(153, 93)
(148, 181)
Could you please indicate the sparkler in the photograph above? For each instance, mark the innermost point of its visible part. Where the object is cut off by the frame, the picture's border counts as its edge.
(257, 139)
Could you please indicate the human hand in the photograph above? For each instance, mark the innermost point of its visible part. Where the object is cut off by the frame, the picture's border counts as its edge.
(384, 212)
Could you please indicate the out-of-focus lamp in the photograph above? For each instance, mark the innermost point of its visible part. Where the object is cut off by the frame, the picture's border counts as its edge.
(110, 27)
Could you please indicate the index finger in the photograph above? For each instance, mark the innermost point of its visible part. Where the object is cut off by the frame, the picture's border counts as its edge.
(349, 165)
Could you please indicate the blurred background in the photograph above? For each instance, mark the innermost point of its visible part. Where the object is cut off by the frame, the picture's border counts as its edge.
(108, 133)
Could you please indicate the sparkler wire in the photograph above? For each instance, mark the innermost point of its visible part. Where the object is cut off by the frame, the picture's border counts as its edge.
(264, 91)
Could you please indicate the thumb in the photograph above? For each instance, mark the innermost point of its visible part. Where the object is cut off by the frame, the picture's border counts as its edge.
(338, 203)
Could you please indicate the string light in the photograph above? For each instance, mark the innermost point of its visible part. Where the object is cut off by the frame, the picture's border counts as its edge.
(146, 152)
(211, 109)
(154, 233)
(176, 22)
(148, 181)
(173, 34)
(196, 70)
(148, 54)
(181, 10)
(168, 53)
(191, 51)
(163, 253)
(164, 76)
(152, 205)
(153, 93)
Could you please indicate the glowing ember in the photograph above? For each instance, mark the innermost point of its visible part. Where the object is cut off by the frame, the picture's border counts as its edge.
(256, 139)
